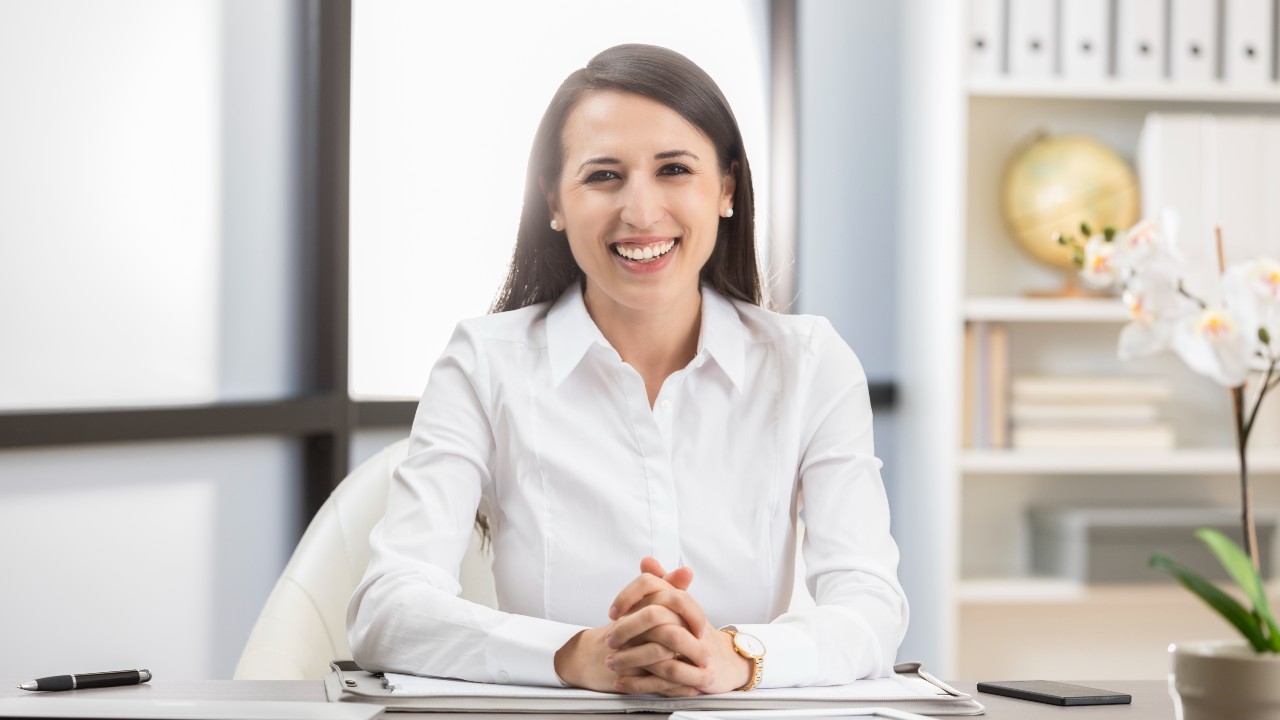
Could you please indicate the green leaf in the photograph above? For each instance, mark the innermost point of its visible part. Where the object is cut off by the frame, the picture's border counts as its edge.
(1240, 567)
(1264, 336)
(1227, 606)
(1086, 230)
(1109, 233)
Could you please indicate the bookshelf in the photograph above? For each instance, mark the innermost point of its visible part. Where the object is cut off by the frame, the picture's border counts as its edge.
(1220, 462)
(961, 269)
(1118, 92)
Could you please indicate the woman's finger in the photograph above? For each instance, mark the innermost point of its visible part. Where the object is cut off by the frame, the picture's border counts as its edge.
(645, 684)
(661, 643)
(679, 602)
(680, 578)
(640, 622)
(634, 592)
(682, 691)
(650, 565)
(677, 672)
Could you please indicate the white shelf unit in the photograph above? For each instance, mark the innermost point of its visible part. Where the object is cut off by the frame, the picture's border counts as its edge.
(1220, 462)
(1022, 310)
(1119, 91)
(960, 265)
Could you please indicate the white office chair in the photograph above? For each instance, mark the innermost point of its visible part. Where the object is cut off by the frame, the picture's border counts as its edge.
(303, 625)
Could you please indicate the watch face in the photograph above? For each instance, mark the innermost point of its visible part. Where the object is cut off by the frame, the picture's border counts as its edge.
(749, 644)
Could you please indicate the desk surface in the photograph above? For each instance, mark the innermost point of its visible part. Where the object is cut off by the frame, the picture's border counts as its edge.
(1150, 698)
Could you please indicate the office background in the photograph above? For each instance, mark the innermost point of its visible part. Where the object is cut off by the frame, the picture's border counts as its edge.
(158, 219)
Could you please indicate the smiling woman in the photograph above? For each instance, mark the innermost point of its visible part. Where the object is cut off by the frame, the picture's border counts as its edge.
(630, 403)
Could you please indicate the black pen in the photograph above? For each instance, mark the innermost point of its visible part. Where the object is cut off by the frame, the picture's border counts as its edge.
(88, 680)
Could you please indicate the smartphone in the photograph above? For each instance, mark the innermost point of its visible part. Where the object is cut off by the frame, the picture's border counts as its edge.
(1054, 693)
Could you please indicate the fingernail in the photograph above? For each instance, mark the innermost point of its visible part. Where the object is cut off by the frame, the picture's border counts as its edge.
(618, 686)
(609, 663)
(610, 643)
(613, 613)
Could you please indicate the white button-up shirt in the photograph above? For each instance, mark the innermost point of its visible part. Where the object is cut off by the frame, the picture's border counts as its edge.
(532, 417)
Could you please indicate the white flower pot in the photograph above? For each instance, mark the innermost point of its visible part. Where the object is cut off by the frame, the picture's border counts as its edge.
(1218, 680)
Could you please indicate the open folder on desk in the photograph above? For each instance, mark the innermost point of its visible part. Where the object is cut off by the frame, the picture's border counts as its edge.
(910, 689)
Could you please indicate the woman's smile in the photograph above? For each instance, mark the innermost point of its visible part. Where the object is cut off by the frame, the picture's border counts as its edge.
(645, 255)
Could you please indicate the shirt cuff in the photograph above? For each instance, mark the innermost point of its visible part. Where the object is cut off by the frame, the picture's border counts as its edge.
(522, 650)
(790, 654)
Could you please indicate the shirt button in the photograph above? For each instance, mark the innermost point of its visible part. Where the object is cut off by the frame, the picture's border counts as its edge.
(665, 406)
(503, 677)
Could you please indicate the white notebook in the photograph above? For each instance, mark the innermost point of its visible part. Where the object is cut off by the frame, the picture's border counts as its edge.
(910, 690)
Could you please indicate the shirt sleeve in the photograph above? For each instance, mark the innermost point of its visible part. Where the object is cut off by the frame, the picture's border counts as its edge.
(851, 559)
(406, 615)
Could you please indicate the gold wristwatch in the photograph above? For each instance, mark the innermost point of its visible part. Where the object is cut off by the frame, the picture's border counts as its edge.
(749, 647)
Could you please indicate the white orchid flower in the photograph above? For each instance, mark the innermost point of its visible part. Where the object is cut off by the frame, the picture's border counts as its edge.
(1150, 243)
(1214, 343)
(1100, 268)
(1155, 308)
(1252, 291)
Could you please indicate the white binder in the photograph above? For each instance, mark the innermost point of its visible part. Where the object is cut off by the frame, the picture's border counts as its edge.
(986, 38)
(1032, 39)
(1140, 40)
(1213, 170)
(1247, 50)
(1177, 169)
(1271, 185)
(1085, 39)
(1193, 41)
(1242, 176)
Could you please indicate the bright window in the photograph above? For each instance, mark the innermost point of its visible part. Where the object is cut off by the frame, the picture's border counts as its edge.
(445, 101)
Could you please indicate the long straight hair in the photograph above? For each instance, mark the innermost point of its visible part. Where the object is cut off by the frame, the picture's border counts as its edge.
(542, 267)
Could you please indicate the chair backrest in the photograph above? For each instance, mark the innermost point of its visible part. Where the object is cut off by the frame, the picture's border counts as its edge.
(303, 625)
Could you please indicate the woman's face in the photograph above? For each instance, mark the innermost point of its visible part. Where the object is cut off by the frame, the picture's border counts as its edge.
(640, 197)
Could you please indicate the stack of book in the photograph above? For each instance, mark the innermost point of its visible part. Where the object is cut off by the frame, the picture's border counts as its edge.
(1089, 412)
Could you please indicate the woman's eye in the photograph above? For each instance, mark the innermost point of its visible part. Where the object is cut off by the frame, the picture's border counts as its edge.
(674, 169)
(602, 176)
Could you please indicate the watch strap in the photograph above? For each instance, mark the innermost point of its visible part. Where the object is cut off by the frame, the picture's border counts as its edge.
(757, 673)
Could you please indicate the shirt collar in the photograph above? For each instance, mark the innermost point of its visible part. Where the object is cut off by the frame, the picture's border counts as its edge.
(723, 336)
(571, 332)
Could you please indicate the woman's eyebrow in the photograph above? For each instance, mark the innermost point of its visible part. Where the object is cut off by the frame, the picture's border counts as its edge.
(674, 154)
(667, 155)
(600, 161)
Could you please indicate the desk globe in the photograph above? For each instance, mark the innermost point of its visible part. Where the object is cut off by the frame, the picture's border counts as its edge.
(1055, 183)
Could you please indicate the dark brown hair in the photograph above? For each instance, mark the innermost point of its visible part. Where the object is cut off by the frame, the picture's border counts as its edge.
(542, 267)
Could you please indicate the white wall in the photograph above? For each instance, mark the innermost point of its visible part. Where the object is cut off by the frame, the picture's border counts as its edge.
(146, 257)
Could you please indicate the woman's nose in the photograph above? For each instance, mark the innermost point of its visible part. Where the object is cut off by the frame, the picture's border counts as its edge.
(642, 204)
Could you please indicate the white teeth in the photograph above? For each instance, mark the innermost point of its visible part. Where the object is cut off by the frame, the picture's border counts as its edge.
(647, 253)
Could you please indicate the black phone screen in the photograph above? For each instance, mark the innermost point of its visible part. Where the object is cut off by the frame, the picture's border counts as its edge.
(1054, 693)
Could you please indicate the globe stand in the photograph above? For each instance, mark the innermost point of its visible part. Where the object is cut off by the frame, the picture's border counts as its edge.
(1071, 290)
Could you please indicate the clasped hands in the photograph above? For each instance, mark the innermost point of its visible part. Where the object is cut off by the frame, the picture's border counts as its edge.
(658, 641)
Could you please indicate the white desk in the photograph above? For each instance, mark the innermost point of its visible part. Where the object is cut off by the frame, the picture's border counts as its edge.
(1151, 699)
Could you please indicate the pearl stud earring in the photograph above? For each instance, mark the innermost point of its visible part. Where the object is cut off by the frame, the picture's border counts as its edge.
(555, 225)
(728, 212)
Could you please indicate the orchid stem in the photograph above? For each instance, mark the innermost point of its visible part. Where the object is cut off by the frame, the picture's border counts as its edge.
(1242, 442)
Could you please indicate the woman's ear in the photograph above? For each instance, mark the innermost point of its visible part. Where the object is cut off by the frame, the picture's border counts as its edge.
(553, 202)
(728, 185)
